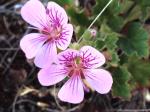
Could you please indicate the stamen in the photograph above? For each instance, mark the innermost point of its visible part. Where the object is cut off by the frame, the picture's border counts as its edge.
(87, 84)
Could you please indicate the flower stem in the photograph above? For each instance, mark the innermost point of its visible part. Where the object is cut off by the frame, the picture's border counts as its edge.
(95, 19)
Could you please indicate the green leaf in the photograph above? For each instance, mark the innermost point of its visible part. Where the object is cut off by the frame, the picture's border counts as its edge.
(99, 44)
(63, 2)
(99, 6)
(134, 14)
(121, 87)
(140, 11)
(136, 41)
(115, 59)
(144, 3)
(114, 7)
(116, 23)
(126, 5)
(107, 39)
(105, 29)
(140, 71)
(145, 14)
(111, 41)
(78, 17)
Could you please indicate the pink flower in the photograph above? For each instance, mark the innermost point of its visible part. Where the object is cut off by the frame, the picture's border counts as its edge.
(55, 32)
(77, 66)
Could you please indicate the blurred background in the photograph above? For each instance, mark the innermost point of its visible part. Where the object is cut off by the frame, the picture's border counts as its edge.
(123, 35)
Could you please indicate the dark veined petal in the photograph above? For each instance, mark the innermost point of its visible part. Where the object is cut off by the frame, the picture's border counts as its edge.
(72, 91)
(56, 14)
(66, 57)
(91, 57)
(66, 36)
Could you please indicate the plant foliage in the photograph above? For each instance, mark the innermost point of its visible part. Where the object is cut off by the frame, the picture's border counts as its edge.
(121, 34)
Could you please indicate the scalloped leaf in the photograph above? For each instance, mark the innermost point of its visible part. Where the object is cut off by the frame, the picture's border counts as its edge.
(140, 71)
(144, 3)
(78, 18)
(63, 2)
(121, 88)
(116, 23)
(114, 8)
(136, 41)
(108, 39)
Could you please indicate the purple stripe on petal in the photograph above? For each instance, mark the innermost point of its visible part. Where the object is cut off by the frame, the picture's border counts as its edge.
(57, 14)
(91, 57)
(67, 57)
(72, 91)
(64, 40)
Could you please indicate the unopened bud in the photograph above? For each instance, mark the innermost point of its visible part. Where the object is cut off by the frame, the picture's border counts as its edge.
(93, 32)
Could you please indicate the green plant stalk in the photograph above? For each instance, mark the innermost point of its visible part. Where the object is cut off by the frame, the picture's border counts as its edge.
(95, 19)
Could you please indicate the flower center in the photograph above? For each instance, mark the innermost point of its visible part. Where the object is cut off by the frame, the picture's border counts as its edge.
(76, 67)
(52, 32)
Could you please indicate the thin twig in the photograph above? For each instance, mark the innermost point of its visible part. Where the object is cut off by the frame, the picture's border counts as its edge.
(55, 96)
(7, 26)
(8, 66)
(74, 108)
(15, 100)
(30, 74)
(9, 49)
(34, 103)
(8, 3)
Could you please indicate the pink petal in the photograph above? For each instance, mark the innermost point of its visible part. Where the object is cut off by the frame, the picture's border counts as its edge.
(66, 36)
(72, 91)
(46, 55)
(99, 79)
(67, 57)
(34, 13)
(51, 75)
(31, 43)
(92, 58)
(56, 14)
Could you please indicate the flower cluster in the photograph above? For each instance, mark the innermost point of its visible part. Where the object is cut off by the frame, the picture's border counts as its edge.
(55, 32)
(81, 67)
